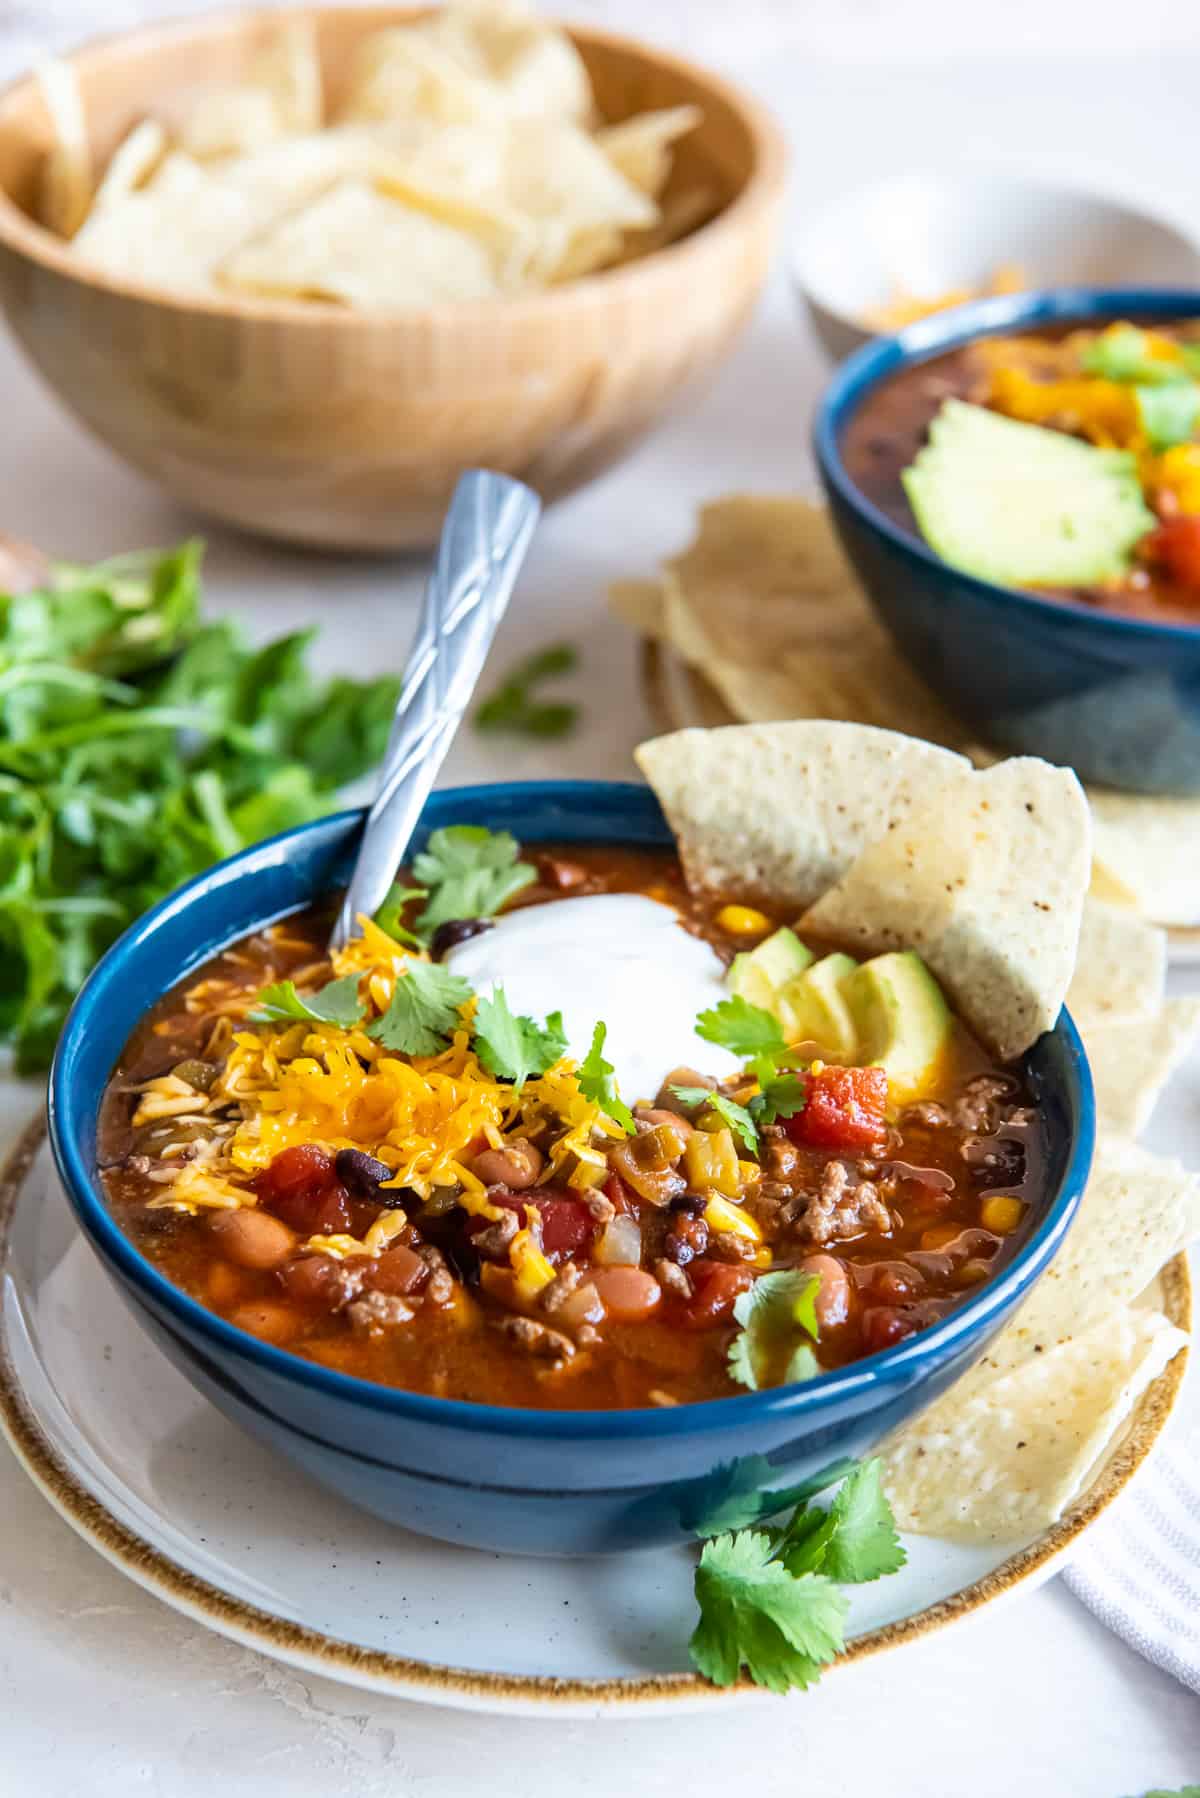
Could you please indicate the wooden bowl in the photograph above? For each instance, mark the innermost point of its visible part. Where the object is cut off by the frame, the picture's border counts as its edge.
(321, 425)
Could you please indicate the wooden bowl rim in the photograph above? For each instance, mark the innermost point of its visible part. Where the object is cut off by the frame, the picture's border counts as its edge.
(763, 187)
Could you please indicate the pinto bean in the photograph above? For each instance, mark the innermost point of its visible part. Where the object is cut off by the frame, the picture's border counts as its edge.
(251, 1238)
(269, 1320)
(517, 1165)
(628, 1294)
(835, 1295)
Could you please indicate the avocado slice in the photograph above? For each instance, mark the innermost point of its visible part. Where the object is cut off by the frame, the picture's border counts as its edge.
(903, 1020)
(1022, 504)
(757, 974)
(814, 1008)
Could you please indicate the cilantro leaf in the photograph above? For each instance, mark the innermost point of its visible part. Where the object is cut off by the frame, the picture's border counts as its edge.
(853, 1541)
(771, 1313)
(516, 1048)
(1168, 414)
(392, 910)
(512, 706)
(424, 1010)
(736, 1116)
(755, 1614)
(781, 1096)
(470, 872)
(335, 1003)
(596, 1083)
(745, 1029)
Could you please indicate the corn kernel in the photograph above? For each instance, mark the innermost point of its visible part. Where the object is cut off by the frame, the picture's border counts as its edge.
(719, 1214)
(742, 920)
(1001, 1213)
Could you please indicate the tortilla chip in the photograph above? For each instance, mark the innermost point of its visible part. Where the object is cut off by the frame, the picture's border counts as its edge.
(355, 245)
(1133, 1058)
(986, 881)
(290, 69)
(641, 147)
(66, 179)
(1147, 851)
(1005, 1461)
(639, 603)
(132, 163)
(1121, 967)
(171, 232)
(780, 812)
(1139, 1211)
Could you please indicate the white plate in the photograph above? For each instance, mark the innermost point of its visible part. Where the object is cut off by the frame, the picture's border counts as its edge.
(171, 1493)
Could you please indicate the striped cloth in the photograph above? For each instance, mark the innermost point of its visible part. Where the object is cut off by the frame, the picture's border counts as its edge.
(1138, 1569)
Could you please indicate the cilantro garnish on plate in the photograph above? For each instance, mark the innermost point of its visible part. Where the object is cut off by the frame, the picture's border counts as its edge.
(596, 1082)
(469, 872)
(424, 1010)
(516, 1048)
(770, 1600)
(514, 705)
(335, 1003)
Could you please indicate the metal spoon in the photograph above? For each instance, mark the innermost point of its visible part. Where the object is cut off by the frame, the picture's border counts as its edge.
(485, 537)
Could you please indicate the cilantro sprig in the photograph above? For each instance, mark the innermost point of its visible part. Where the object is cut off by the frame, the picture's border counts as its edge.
(596, 1082)
(468, 872)
(516, 1048)
(745, 1030)
(770, 1600)
(773, 1316)
(424, 1010)
(335, 1003)
(514, 705)
(736, 1116)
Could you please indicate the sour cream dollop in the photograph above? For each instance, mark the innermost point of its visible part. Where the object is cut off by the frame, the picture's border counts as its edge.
(616, 958)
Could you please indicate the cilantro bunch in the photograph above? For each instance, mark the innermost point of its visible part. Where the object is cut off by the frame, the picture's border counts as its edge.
(756, 1036)
(137, 746)
(771, 1600)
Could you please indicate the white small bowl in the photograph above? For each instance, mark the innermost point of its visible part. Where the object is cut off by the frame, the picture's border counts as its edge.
(927, 234)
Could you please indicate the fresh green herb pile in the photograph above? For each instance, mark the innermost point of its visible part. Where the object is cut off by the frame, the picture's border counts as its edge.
(771, 1600)
(137, 746)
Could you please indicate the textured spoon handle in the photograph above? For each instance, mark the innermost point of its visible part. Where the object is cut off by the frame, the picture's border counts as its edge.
(485, 537)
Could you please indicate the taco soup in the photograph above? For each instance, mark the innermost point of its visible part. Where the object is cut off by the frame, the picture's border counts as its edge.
(556, 1130)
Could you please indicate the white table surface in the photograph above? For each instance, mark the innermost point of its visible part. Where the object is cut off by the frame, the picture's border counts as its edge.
(102, 1689)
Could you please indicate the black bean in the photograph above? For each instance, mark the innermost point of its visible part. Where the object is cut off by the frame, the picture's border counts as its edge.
(455, 931)
(994, 1160)
(363, 1175)
(691, 1202)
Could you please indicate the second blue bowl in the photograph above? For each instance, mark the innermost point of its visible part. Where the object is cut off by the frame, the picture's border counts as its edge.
(535, 1482)
(1116, 698)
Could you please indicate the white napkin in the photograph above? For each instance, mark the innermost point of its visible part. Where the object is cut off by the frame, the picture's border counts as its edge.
(1138, 1569)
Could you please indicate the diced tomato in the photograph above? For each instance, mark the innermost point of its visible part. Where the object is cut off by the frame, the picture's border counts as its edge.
(301, 1187)
(715, 1286)
(566, 1225)
(1175, 546)
(844, 1109)
(619, 1195)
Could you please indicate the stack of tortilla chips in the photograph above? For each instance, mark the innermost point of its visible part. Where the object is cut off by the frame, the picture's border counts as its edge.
(878, 841)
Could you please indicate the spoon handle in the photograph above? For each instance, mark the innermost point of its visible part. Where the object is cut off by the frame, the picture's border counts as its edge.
(484, 540)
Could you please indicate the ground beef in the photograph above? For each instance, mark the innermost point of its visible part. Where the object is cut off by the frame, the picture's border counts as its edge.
(376, 1312)
(536, 1338)
(838, 1210)
(672, 1278)
(494, 1241)
(439, 1289)
(981, 1105)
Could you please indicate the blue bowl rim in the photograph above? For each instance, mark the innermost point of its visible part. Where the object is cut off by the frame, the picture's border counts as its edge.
(950, 330)
(66, 1111)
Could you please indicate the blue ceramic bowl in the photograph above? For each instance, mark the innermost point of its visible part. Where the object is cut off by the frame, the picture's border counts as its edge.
(1116, 698)
(529, 1481)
